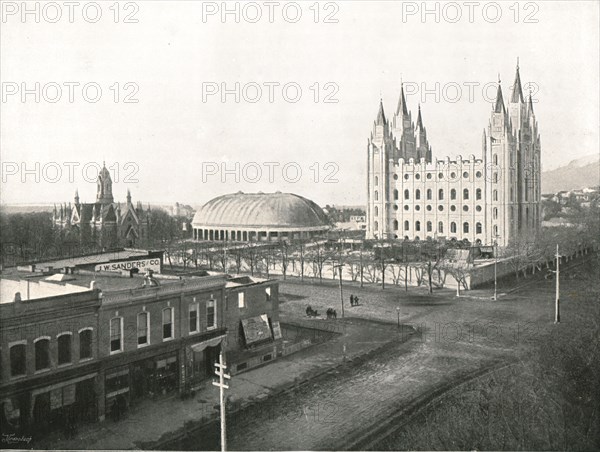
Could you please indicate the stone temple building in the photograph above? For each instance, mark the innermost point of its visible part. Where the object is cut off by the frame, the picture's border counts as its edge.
(104, 222)
(494, 197)
(248, 217)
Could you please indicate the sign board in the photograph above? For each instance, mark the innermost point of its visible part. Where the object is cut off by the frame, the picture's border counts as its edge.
(256, 329)
(142, 264)
(277, 330)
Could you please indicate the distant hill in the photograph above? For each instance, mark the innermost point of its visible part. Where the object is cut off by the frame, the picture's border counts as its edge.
(579, 173)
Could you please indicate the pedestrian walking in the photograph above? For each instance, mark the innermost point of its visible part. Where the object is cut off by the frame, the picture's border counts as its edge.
(355, 301)
(351, 300)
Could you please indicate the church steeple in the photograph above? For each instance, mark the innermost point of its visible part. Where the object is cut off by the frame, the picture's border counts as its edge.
(76, 196)
(104, 187)
(128, 197)
(517, 89)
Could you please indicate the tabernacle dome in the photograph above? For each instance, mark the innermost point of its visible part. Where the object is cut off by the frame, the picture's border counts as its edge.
(259, 217)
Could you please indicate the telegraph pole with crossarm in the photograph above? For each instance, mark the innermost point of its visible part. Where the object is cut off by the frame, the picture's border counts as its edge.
(222, 386)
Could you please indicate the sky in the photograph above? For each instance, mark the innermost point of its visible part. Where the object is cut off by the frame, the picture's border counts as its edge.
(185, 103)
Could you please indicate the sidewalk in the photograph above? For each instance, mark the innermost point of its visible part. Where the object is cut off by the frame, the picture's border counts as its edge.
(159, 421)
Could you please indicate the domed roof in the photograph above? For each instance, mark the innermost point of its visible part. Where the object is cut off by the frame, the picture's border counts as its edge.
(264, 210)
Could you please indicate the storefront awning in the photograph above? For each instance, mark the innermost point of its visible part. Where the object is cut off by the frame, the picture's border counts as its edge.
(199, 347)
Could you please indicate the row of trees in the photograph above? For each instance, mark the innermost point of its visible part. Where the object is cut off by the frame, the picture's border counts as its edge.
(31, 237)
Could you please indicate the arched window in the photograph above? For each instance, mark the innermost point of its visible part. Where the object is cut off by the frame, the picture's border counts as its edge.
(376, 195)
(495, 211)
(417, 226)
(495, 158)
(466, 227)
(495, 230)
(429, 194)
(453, 227)
(418, 194)
(85, 343)
(376, 226)
(395, 225)
(495, 195)
(376, 211)
(42, 353)
(18, 360)
(376, 180)
(395, 195)
(453, 194)
(441, 227)
(478, 194)
(440, 194)
(478, 228)
(406, 194)
(495, 177)
(466, 193)
(64, 348)
(406, 225)
(429, 226)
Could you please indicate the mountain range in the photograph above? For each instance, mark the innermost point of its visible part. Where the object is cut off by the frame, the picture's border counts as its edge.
(579, 173)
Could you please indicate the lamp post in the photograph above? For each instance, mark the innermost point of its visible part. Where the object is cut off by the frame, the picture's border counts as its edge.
(557, 295)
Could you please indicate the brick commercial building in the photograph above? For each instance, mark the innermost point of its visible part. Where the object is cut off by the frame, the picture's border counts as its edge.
(79, 345)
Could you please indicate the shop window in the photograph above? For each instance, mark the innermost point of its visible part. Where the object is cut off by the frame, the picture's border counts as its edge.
(167, 323)
(241, 300)
(64, 349)
(143, 328)
(42, 354)
(85, 344)
(116, 335)
(17, 360)
(211, 314)
(194, 318)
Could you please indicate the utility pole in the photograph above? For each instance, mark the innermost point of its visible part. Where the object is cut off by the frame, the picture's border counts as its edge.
(339, 267)
(557, 298)
(222, 386)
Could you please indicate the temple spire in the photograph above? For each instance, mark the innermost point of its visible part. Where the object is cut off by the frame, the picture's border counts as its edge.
(499, 107)
(517, 89)
(402, 102)
(380, 114)
(419, 120)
